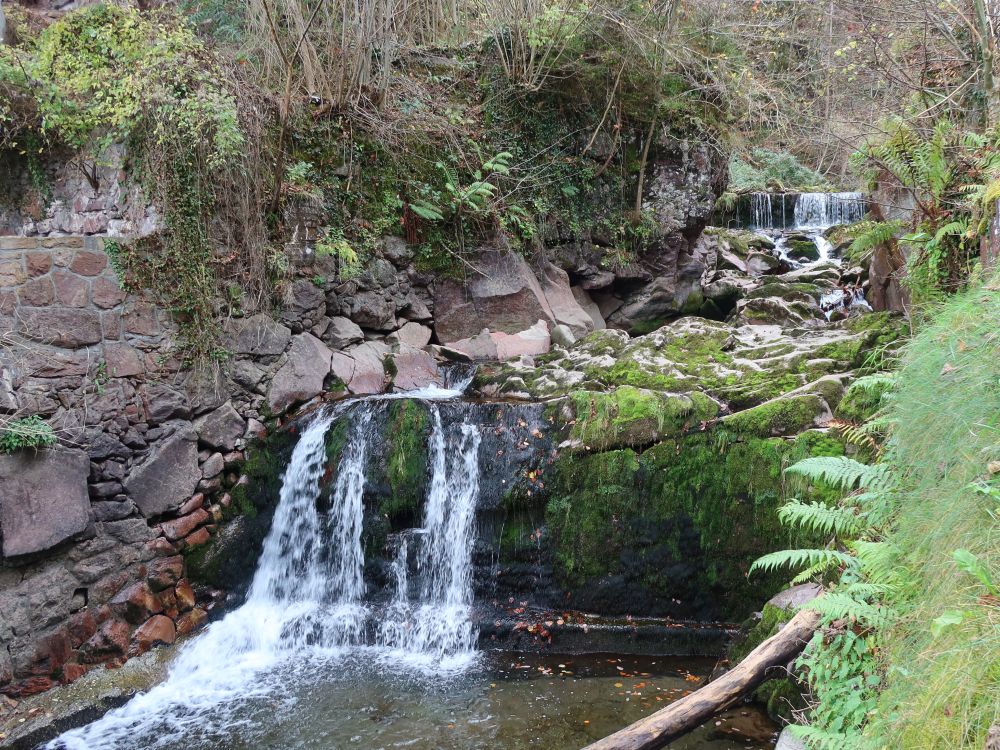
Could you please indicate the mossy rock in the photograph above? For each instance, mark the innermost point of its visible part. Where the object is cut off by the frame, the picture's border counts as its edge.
(407, 431)
(629, 416)
(803, 248)
(786, 415)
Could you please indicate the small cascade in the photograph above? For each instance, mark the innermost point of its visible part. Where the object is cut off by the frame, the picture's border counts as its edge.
(824, 210)
(438, 624)
(761, 214)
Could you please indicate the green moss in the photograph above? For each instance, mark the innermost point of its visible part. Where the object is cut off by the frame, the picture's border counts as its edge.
(620, 512)
(635, 417)
(595, 494)
(264, 466)
(803, 249)
(860, 404)
(782, 416)
(406, 467)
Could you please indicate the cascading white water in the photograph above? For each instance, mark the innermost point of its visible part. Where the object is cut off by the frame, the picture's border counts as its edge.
(287, 609)
(824, 210)
(438, 627)
(761, 216)
(306, 601)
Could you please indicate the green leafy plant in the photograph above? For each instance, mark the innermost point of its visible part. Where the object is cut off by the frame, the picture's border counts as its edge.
(27, 432)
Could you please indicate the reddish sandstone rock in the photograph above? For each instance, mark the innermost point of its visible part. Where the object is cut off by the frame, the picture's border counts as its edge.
(155, 631)
(38, 263)
(37, 293)
(164, 572)
(191, 621)
(71, 290)
(169, 599)
(184, 525)
(161, 547)
(110, 641)
(196, 501)
(185, 596)
(80, 627)
(73, 672)
(137, 603)
(88, 263)
(30, 686)
(106, 293)
(51, 652)
(198, 538)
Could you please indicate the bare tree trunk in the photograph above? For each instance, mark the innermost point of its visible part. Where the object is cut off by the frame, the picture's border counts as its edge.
(692, 710)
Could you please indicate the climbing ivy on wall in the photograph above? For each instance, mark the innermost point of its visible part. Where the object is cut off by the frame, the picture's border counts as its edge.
(107, 75)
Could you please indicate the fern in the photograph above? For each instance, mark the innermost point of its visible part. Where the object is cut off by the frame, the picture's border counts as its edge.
(796, 558)
(840, 471)
(873, 235)
(820, 518)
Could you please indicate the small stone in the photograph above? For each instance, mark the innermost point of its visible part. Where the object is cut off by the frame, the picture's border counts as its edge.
(197, 500)
(256, 429)
(137, 603)
(185, 596)
(110, 640)
(220, 428)
(157, 630)
(191, 621)
(181, 527)
(164, 572)
(161, 547)
(73, 672)
(213, 466)
(198, 538)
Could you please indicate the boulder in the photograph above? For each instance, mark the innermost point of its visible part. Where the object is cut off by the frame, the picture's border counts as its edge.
(478, 348)
(373, 310)
(590, 307)
(43, 498)
(259, 336)
(303, 305)
(397, 251)
(796, 596)
(342, 332)
(163, 403)
(220, 428)
(788, 741)
(534, 340)
(368, 374)
(302, 375)
(502, 294)
(412, 334)
(414, 368)
(167, 478)
(566, 310)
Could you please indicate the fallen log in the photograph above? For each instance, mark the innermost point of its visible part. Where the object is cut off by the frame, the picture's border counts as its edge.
(692, 710)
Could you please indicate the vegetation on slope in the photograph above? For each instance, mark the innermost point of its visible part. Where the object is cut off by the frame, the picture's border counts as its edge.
(909, 652)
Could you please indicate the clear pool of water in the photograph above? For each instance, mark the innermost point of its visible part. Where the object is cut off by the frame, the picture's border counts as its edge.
(505, 701)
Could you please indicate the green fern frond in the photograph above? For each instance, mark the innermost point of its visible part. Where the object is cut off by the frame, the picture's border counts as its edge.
(839, 471)
(796, 558)
(835, 605)
(821, 519)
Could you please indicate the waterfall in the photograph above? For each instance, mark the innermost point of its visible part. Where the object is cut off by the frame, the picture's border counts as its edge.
(823, 210)
(761, 216)
(438, 625)
(306, 603)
